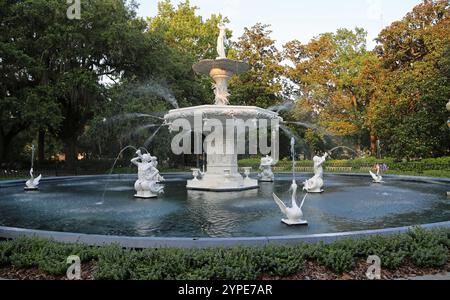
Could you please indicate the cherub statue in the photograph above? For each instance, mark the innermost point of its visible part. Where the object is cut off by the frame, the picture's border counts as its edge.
(266, 174)
(148, 176)
(315, 184)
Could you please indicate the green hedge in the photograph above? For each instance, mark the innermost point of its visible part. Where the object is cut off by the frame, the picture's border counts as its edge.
(419, 247)
(417, 167)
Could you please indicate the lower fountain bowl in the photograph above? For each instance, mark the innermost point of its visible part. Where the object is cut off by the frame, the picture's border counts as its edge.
(350, 203)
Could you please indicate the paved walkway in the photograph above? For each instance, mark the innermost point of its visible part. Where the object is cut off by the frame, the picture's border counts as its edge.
(444, 276)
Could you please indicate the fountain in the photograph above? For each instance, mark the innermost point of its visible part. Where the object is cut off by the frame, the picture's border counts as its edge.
(33, 183)
(315, 184)
(148, 176)
(266, 174)
(294, 214)
(222, 156)
(242, 214)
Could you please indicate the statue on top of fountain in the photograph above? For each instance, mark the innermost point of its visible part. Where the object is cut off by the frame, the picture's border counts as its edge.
(221, 42)
(148, 176)
(266, 174)
(315, 184)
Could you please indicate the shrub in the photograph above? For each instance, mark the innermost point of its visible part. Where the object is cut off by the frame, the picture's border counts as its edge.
(336, 259)
(113, 263)
(423, 248)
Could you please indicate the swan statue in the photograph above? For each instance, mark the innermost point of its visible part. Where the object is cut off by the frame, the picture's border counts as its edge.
(294, 214)
(266, 174)
(32, 183)
(377, 178)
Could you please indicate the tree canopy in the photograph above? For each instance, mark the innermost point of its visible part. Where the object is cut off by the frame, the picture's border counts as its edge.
(68, 82)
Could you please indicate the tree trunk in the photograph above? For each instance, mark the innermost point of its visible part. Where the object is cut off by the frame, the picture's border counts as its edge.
(2, 149)
(71, 153)
(358, 144)
(41, 145)
(373, 145)
(5, 141)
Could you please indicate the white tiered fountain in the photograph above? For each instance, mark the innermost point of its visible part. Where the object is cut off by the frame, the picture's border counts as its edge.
(222, 157)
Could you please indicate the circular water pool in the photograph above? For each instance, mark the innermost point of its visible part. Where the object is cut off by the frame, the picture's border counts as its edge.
(348, 204)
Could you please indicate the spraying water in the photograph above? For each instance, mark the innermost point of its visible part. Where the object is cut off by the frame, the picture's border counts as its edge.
(33, 149)
(130, 116)
(111, 171)
(282, 107)
(343, 147)
(293, 156)
(319, 129)
(150, 139)
(159, 90)
(141, 128)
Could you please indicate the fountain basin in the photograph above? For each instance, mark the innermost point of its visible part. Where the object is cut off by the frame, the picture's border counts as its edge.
(228, 65)
(221, 112)
(351, 204)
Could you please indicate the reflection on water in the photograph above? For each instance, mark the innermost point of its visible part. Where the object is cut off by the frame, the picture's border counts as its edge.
(347, 204)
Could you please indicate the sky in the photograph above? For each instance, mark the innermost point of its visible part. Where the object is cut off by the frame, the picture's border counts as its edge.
(300, 19)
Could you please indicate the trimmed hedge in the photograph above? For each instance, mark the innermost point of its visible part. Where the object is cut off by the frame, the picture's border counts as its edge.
(439, 167)
(419, 247)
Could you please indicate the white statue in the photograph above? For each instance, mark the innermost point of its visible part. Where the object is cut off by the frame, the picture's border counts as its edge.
(315, 184)
(247, 172)
(221, 92)
(196, 174)
(266, 174)
(294, 214)
(148, 176)
(32, 183)
(377, 178)
(221, 42)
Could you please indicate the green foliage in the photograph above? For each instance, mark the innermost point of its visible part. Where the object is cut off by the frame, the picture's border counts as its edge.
(429, 250)
(262, 86)
(433, 167)
(421, 247)
(48, 256)
(410, 115)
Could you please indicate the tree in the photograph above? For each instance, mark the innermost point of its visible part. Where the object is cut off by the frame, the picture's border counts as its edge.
(26, 100)
(335, 75)
(71, 58)
(187, 39)
(262, 86)
(410, 115)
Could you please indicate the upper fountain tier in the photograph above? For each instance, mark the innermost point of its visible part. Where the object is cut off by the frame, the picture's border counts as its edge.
(221, 70)
(206, 66)
(221, 112)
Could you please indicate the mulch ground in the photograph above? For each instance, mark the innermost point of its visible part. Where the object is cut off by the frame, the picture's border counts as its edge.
(87, 273)
(312, 271)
